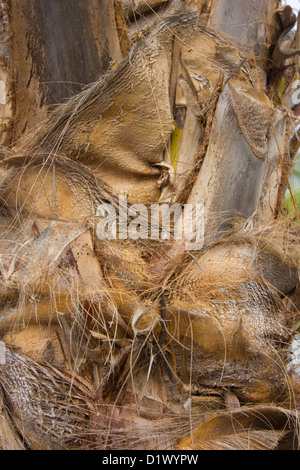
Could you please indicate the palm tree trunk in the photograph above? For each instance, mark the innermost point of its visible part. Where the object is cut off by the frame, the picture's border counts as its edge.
(140, 343)
(55, 49)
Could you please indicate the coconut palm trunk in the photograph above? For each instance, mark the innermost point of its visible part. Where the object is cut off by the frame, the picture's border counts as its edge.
(149, 271)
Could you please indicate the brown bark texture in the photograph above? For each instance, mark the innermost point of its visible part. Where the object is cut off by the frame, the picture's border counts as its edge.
(141, 342)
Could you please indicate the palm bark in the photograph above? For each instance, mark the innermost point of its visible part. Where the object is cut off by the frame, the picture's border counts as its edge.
(139, 343)
(55, 49)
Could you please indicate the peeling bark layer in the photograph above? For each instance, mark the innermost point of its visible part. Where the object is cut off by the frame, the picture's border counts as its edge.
(56, 48)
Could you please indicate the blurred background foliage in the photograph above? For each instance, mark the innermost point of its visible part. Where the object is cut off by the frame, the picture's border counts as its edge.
(295, 185)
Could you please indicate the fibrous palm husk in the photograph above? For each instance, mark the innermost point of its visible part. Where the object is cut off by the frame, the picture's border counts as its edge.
(227, 309)
(137, 344)
(94, 126)
(256, 428)
(48, 409)
(224, 330)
